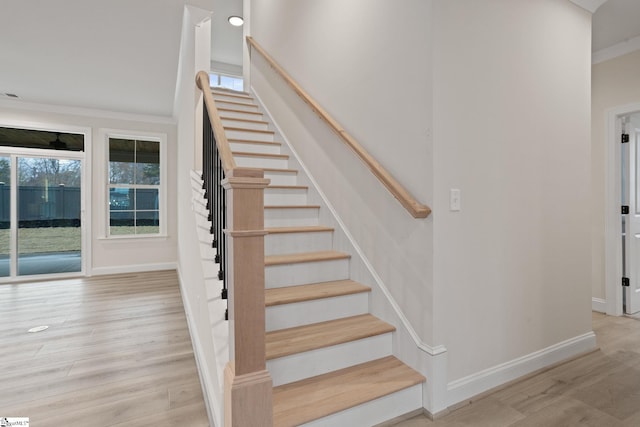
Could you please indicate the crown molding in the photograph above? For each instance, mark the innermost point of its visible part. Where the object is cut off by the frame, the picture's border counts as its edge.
(611, 52)
(590, 5)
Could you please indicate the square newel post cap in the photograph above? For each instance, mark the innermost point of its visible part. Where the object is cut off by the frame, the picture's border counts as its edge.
(245, 178)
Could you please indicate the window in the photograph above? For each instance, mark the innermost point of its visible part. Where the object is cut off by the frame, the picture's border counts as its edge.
(135, 190)
(226, 81)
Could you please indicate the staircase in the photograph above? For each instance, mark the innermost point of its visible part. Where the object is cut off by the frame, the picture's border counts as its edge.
(331, 361)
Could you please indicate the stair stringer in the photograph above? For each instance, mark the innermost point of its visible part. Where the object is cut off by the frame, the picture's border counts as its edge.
(407, 345)
(210, 365)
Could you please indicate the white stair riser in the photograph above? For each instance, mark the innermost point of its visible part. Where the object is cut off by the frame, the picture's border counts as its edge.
(233, 105)
(213, 289)
(303, 273)
(314, 311)
(247, 115)
(206, 251)
(262, 162)
(281, 178)
(254, 148)
(295, 367)
(285, 196)
(290, 217)
(251, 136)
(288, 243)
(375, 411)
(210, 269)
(244, 124)
(217, 96)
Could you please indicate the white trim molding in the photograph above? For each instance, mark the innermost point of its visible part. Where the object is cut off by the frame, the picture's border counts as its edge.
(611, 52)
(139, 268)
(613, 225)
(480, 382)
(599, 305)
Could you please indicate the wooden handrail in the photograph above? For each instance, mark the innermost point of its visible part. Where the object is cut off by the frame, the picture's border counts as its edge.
(415, 208)
(228, 164)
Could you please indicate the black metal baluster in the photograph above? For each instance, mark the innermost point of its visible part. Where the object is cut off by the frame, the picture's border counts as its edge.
(212, 175)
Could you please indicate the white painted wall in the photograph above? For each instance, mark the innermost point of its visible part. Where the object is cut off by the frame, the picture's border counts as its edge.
(615, 83)
(194, 56)
(110, 255)
(376, 83)
(488, 97)
(511, 119)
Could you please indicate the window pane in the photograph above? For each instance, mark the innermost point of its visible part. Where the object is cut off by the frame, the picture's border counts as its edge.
(233, 83)
(146, 199)
(147, 222)
(121, 161)
(147, 163)
(120, 199)
(121, 223)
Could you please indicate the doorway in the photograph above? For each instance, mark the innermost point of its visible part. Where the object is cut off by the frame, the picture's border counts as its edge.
(622, 234)
(41, 205)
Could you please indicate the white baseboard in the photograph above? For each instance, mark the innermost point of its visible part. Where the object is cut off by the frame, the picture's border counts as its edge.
(482, 381)
(599, 305)
(141, 268)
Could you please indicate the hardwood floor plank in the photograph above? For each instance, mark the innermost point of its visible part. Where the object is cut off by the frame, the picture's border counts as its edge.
(601, 388)
(117, 351)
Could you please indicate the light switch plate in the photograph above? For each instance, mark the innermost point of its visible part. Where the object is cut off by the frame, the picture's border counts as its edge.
(454, 200)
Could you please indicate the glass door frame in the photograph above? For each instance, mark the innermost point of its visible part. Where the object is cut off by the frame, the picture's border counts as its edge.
(13, 153)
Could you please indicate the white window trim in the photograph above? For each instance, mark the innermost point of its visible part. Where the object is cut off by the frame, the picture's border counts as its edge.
(105, 135)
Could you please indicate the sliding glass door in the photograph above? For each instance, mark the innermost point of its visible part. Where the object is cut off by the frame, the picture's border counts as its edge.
(5, 216)
(40, 213)
(49, 237)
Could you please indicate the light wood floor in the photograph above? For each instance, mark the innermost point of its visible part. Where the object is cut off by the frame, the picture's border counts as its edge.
(601, 389)
(117, 353)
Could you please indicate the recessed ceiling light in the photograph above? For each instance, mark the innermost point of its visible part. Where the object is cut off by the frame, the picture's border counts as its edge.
(236, 21)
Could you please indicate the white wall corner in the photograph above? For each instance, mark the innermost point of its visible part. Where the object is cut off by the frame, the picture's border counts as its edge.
(599, 305)
(188, 57)
(480, 382)
(590, 5)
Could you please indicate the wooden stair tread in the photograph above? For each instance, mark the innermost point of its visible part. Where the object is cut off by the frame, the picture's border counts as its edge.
(244, 104)
(225, 91)
(260, 155)
(299, 229)
(235, 119)
(240, 95)
(232, 110)
(233, 128)
(315, 291)
(307, 400)
(251, 141)
(294, 171)
(285, 342)
(301, 257)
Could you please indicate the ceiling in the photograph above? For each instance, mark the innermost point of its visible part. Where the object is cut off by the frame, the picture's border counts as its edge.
(122, 55)
(226, 40)
(116, 55)
(616, 21)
